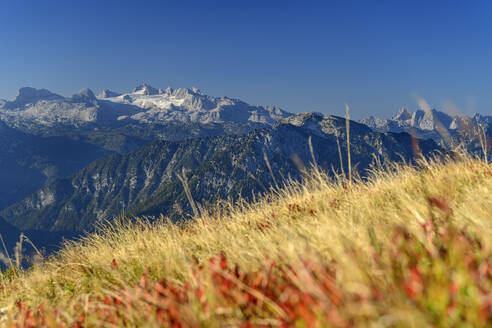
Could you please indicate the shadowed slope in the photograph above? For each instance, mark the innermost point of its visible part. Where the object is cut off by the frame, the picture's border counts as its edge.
(145, 182)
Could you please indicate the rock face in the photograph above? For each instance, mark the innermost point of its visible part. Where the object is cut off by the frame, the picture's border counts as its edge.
(145, 182)
(449, 131)
(44, 136)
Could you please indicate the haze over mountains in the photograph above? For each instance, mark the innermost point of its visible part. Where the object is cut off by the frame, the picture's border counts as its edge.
(69, 162)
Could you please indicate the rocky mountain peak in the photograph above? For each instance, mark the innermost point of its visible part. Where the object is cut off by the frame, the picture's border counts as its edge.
(301, 119)
(182, 93)
(28, 95)
(84, 96)
(402, 115)
(109, 94)
(430, 119)
(445, 129)
(196, 90)
(146, 89)
(416, 118)
(167, 91)
(322, 125)
(148, 105)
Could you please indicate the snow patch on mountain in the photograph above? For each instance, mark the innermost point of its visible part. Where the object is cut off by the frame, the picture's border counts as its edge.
(192, 105)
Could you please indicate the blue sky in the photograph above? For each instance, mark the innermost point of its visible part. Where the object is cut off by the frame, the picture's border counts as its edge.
(301, 55)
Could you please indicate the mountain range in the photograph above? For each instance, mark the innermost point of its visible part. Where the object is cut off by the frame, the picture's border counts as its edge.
(145, 182)
(37, 108)
(449, 131)
(70, 162)
(44, 136)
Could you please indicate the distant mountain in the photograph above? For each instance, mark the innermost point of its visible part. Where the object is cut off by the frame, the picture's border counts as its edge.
(447, 130)
(37, 108)
(44, 136)
(190, 105)
(28, 95)
(144, 182)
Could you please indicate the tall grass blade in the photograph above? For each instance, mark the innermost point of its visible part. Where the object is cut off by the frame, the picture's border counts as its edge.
(311, 150)
(184, 182)
(265, 157)
(347, 126)
(340, 157)
(6, 252)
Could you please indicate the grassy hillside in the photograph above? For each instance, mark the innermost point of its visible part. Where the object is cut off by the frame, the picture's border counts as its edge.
(410, 248)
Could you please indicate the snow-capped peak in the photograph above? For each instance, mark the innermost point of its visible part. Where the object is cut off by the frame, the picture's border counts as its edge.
(145, 89)
(402, 115)
(181, 93)
(169, 90)
(109, 94)
(28, 95)
(196, 90)
(85, 95)
(145, 104)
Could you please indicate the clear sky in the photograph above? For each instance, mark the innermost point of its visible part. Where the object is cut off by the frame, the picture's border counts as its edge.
(301, 55)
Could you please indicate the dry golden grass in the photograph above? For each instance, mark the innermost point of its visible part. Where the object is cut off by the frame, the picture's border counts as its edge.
(397, 244)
